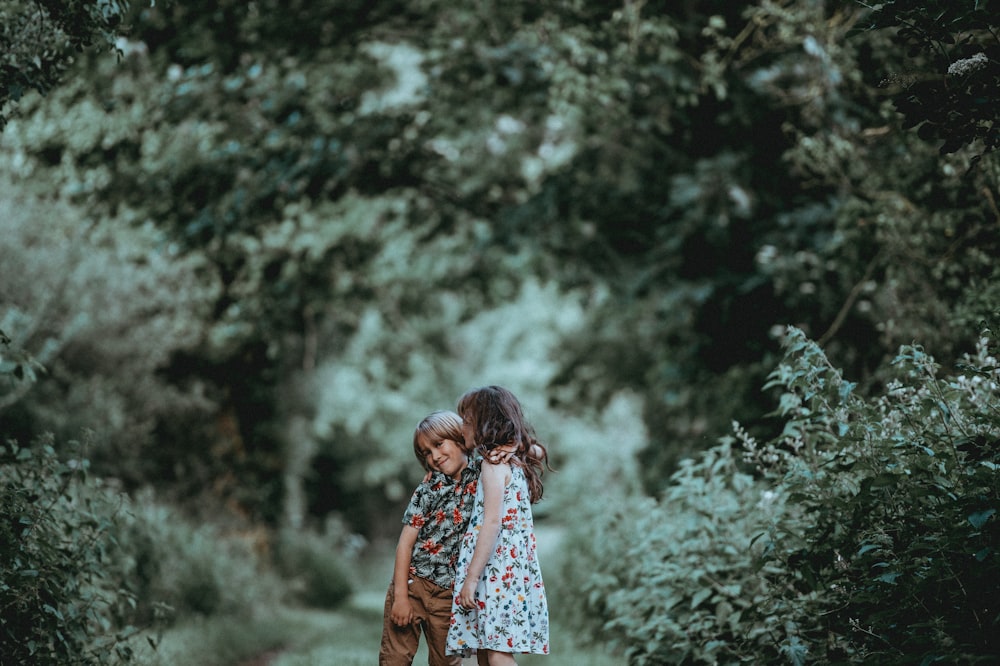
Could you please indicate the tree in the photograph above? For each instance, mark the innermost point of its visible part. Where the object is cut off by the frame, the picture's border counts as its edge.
(691, 175)
(949, 70)
(40, 40)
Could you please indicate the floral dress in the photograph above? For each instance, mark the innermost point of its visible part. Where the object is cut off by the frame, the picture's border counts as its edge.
(513, 615)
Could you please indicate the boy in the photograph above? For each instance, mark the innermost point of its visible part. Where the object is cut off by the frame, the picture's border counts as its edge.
(419, 597)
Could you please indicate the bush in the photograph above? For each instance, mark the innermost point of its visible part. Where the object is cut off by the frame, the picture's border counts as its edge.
(59, 604)
(867, 532)
(178, 569)
(895, 507)
(312, 562)
(104, 306)
(673, 581)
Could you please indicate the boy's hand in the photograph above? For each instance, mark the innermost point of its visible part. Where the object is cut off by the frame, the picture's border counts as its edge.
(502, 454)
(402, 612)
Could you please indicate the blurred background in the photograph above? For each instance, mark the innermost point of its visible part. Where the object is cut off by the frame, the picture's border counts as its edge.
(247, 246)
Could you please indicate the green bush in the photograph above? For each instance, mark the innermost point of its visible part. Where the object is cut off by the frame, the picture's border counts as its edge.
(867, 531)
(59, 604)
(103, 307)
(895, 506)
(178, 568)
(81, 566)
(673, 581)
(312, 562)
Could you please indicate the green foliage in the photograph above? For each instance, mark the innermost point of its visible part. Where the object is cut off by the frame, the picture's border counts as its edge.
(177, 568)
(221, 639)
(39, 40)
(18, 371)
(798, 204)
(868, 531)
(949, 87)
(895, 500)
(104, 308)
(672, 581)
(315, 563)
(59, 602)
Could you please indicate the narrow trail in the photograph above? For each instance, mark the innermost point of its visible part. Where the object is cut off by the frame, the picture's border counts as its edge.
(370, 597)
(264, 659)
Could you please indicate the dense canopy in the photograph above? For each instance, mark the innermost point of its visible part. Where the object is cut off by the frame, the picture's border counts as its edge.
(250, 245)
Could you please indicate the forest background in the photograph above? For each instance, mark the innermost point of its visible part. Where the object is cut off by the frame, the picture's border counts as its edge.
(738, 261)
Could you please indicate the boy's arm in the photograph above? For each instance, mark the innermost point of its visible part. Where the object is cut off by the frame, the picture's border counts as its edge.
(493, 478)
(503, 453)
(402, 611)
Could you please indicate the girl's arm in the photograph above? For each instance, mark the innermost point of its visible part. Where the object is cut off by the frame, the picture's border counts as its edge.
(494, 478)
(402, 611)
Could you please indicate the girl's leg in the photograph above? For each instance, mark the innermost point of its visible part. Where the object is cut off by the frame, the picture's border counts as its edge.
(495, 658)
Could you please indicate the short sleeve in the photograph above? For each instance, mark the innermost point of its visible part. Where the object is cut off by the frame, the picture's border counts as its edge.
(419, 508)
(415, 509)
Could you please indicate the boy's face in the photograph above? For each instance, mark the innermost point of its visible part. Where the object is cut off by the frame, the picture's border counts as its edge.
(445, 455)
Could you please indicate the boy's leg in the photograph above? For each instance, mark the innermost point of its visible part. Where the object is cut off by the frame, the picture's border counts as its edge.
(399, 644)
(436, 613)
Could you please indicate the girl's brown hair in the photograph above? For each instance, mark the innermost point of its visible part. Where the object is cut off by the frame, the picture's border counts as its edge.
(434, 427)
(496, 418)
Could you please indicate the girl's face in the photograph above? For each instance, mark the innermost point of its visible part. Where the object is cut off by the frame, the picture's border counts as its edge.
(444, 455)
(468, 432)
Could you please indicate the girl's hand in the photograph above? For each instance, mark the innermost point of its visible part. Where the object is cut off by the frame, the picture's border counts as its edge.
(467, 596)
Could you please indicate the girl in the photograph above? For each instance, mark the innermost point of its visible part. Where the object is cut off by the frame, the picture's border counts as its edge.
(499, 606)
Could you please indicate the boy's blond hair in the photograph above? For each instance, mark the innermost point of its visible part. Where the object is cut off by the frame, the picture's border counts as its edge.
(436, 426)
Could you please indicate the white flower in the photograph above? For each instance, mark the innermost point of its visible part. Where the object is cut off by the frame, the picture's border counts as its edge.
(967, 65)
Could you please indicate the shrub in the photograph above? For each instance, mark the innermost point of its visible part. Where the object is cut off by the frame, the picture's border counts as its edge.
(673, 581)
(866, 532)
(895, 506)
(105, 307)
(312, 562)
(177, 568)
(59, 604)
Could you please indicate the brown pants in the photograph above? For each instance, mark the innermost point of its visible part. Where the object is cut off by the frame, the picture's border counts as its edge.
(432, 612)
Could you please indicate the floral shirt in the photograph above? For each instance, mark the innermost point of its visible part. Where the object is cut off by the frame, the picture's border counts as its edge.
(440, 509)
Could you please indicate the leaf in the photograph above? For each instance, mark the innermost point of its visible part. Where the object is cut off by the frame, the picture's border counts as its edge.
(52, 611)
(884, 480)
(979, 519)
(953, 144)
(700, 596)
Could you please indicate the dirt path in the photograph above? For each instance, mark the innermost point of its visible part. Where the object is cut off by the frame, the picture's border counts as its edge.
(264, 659)
(368, 601)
